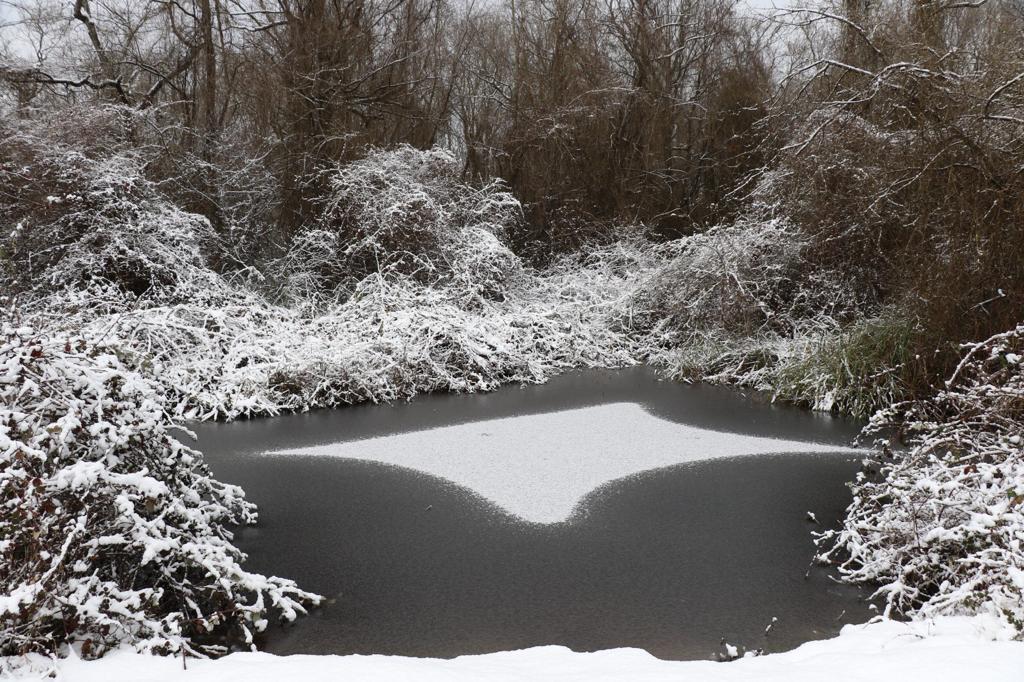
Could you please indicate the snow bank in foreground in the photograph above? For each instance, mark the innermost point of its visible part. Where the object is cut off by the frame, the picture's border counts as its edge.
(951, 648)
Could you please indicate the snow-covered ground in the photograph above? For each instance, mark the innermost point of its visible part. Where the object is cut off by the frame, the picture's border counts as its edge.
(950, 649)
(539, 467)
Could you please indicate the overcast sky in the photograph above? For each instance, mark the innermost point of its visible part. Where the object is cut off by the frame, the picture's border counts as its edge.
(8, 15)
(5, 13)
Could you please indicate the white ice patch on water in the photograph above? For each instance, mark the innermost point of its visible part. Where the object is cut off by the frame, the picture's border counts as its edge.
(539, 467)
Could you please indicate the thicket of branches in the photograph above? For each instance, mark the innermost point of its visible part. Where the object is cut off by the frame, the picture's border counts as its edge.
(897, 169)
(905, 171)
(888, 136)
(643, 109)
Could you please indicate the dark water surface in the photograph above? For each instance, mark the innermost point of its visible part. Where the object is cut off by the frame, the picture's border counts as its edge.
(671, 560)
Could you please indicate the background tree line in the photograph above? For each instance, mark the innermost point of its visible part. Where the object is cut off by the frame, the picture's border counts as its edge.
(589, 109)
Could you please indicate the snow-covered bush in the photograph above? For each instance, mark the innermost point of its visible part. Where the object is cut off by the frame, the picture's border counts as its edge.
(391, 339)
(77, 218)
(235, 184)
(746, 278)
(941, 524)
(111, 530)
(732, 278)
(404, 212)
(743, 304)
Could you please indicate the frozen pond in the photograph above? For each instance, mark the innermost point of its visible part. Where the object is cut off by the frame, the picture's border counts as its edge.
(601, 510)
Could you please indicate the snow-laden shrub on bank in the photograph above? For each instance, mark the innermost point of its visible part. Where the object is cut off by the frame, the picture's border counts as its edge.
(731, 279)
(745, 278)
(112, 531)
(742, 304)
(84, 219)
(403, 212)
(391, 339)
(941, 524)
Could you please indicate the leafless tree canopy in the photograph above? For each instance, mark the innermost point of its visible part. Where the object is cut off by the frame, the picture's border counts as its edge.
(588, 108)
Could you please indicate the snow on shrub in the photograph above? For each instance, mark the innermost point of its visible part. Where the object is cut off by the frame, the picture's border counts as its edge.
(941, 525)
(111, 530)
(742, 304)
(404, 212)
(732, 278)
(81, 219)
(391, 339)
(745, 278)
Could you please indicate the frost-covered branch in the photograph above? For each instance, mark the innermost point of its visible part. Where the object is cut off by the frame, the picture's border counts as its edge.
(111, 530)
(940, 524)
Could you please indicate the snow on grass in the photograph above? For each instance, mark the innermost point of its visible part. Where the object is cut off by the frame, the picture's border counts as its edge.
(950, 649)
(539, 467)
